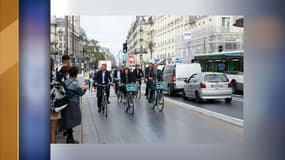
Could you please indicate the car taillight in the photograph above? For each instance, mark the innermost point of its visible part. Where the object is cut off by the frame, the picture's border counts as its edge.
(202, 85)
(230, 85)
(173, 78)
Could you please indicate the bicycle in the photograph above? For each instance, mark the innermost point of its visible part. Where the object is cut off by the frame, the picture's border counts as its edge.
(104, 103)
(138, 93)
(129, 104)
(158, 98)
(117, 89)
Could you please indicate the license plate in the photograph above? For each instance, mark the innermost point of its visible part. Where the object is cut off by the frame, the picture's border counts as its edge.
(217, 86)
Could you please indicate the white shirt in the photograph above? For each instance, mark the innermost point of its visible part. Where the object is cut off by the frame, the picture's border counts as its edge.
(103, 76)
(118, 75)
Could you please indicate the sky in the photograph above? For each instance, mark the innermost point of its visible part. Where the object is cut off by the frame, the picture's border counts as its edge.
(110, 31)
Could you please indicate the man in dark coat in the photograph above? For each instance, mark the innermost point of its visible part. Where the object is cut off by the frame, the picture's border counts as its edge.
(117, 76)
(155, 75)
(147, 73)
(102, 77)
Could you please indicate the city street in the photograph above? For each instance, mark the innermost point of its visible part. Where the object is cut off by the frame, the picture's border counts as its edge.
(175, 125)
(182, 47)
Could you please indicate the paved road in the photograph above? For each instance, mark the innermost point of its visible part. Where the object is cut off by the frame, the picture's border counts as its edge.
(235, 109)
(174, 125)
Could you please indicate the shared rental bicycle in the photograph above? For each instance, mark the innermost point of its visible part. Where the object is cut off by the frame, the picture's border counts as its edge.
(131, 92)
(157, 97)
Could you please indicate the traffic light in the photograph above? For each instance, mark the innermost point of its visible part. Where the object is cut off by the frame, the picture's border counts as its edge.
(125, 48)
(221, 49)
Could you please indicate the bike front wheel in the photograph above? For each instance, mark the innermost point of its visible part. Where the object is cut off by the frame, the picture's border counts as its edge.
(160, 102)
(131, 106)
(104, 107)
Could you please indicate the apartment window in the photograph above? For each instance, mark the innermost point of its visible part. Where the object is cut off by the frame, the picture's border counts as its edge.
(225, 21)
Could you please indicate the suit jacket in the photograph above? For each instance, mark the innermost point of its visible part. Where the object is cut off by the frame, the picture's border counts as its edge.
(98, 77)
(139, 73)
(115, 74)
(147, 72)
(156, 77)
(131, 78)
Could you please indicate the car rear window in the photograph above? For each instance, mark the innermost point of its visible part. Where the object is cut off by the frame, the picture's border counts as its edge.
(216, 78)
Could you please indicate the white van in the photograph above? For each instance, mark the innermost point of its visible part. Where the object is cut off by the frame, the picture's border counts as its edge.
(175, 74)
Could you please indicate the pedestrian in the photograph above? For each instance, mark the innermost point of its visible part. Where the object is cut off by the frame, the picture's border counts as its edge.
(65, 60)
(102, 77)
(71, 116)
(54, 116)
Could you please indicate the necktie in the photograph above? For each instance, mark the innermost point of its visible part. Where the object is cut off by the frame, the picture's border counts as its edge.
(103, 81)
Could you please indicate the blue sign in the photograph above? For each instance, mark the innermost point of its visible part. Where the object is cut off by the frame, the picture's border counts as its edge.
(125, 57)
(221, 66)
(177, 60)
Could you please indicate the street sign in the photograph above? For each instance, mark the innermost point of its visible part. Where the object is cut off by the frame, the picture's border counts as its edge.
(177, 60)
(125, 57)
(132, 59)
(187, 35)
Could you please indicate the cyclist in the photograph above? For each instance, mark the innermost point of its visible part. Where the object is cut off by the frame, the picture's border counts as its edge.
(139, 74)
(102, 77)
(127, 77)
(147, 73)
(155, 75)
(117, 75)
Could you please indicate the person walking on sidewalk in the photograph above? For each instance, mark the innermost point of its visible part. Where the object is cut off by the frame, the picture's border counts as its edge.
(71, 115)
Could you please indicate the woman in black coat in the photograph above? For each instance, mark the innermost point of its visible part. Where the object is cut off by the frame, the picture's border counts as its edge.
(127, 77)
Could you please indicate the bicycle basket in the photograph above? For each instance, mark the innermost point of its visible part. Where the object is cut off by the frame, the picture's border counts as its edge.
(160, 86)
(131, 87)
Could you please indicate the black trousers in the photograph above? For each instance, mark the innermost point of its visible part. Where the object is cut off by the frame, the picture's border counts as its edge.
(148, 85)
(100, 95)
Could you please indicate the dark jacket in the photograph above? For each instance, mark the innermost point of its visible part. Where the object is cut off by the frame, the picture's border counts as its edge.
(98, 77)
(128, 79)
(147, 72)
(156, 76)
(115, 74)
(71, 115)
(138, 73)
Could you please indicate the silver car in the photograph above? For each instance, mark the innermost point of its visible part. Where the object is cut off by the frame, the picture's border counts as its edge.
(208, 85)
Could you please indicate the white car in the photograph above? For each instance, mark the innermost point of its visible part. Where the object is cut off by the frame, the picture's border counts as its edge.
(175, 74)
(208, 85)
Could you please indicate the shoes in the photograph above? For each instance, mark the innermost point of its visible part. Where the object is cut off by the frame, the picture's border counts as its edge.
(108, 102)
(99, 110)
(70, 139)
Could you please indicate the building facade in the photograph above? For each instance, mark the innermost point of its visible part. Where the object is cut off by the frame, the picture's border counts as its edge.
(137, 39)
(68, 36)
(183, 36)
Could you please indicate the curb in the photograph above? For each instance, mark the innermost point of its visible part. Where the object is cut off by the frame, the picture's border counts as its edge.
(228, 119)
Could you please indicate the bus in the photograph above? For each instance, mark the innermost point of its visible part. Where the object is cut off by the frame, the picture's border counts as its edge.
(230, 63)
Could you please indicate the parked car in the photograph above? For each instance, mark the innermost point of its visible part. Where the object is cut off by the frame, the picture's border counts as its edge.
(208, 85)
(175, 74)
